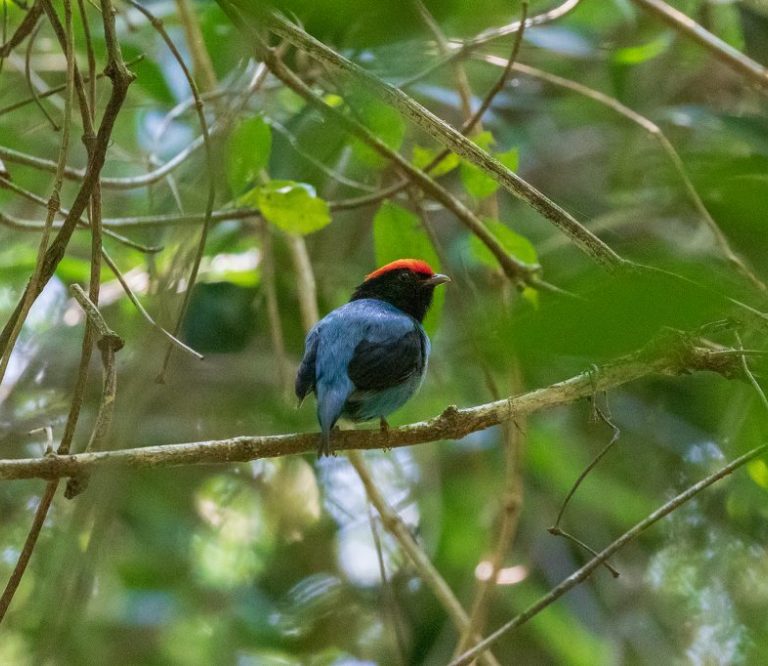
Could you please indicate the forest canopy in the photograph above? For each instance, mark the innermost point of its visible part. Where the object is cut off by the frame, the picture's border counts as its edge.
(187, 187)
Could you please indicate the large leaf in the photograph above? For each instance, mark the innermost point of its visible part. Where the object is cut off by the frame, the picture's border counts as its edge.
(476, 181)
(398, 234)
(383, 121)
(249, 147)
(290, 206)
(516, 245)
(422, 157)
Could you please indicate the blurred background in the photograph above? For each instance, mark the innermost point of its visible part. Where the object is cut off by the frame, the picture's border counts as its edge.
(281, 561)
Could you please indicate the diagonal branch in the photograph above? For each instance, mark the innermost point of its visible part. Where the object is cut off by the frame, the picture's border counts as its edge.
(449, 137)
(721, 50)
(582, 574)
(426, 569)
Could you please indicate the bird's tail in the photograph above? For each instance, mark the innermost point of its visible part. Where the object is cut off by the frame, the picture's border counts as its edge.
(330, 403)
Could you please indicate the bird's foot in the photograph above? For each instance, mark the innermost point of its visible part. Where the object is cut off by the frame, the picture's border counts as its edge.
(324, 448)
(384, 430)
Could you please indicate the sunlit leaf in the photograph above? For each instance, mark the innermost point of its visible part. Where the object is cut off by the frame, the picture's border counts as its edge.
(248, 152)
(292, 207)
(290, 101)
(634, 55)
(422, 157)
(516, 245)
(758, 472)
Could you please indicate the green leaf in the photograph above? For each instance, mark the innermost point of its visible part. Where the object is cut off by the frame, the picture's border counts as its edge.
(383, 121)
(290, 101)
(476, 181)
(248, 147)
(422, 157)
(395, 228)
(758, 472)
(634, 55)
(290, 206)
(484, 140)
(518, 246)
(509, 158)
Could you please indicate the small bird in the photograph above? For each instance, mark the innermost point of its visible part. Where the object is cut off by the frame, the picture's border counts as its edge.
(365, 359)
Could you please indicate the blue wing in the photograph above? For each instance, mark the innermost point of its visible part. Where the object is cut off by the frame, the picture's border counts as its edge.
(357, 343)
(382, 365)
(305, 377)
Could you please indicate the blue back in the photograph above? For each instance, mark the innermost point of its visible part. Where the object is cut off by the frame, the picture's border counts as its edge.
(331, 346)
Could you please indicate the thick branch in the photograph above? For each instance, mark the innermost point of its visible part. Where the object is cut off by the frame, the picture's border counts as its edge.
(679, 357)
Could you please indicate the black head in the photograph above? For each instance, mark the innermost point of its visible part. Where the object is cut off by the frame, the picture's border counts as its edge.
(407, 284)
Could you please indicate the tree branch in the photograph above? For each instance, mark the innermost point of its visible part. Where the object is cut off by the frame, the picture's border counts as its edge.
(721, 50)
(681, 356)
(449, 137)
(585, 571)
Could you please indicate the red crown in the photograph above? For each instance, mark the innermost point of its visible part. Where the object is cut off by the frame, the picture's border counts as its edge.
(415, 265)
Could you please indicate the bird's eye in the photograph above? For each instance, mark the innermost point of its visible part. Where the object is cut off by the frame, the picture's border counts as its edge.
(403, 277)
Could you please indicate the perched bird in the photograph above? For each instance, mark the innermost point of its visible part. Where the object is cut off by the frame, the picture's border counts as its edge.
(365, 359)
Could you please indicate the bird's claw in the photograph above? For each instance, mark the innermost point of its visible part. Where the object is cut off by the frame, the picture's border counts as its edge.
(384, 430)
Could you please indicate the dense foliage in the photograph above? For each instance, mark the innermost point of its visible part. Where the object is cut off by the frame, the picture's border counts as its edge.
(280, 561)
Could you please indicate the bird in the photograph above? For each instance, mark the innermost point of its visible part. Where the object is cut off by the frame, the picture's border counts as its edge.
(365, 359)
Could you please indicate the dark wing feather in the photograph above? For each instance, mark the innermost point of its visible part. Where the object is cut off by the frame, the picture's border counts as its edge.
(380, 365)
(305, 377)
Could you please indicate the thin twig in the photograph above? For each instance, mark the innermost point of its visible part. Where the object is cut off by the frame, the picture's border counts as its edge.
(26, 26)
(461, 49)
(142, 310)
(25, 225)
(28, 75)
(584, 572)
(449, 137)
(157, 24)
(616, 433)
(721, 50)
(201, 60)
(107, 182)
(748, 373)
(656, 132)
(306, 288)
(109, 343)
(423, 565)
(390, 602)
(268, 277)
(57, 89)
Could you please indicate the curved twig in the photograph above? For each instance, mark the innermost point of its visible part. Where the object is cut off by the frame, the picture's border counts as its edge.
(585, 571)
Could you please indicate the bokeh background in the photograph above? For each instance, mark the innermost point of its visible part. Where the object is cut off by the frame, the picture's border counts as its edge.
(275, 562)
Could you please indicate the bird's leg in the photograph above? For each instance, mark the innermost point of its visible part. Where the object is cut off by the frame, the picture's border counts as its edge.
(325, 449)
(384, 430)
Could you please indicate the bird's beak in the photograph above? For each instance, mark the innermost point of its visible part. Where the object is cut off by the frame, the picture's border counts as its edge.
(436, 279)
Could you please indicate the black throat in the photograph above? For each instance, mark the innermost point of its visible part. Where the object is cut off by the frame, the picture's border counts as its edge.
(409, 295)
